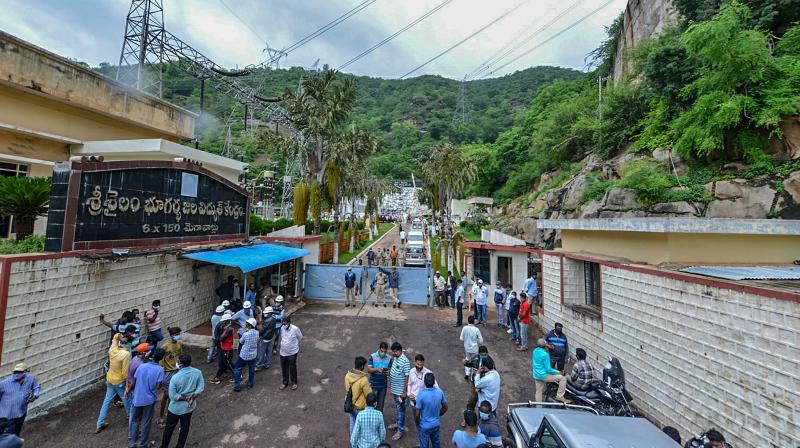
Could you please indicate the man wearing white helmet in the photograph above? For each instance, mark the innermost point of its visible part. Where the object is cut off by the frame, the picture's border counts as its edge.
(267, 336)
(241, 317)
(248, 349)
(224, 336)
(277, 313)
(212, 351)
(226, 304)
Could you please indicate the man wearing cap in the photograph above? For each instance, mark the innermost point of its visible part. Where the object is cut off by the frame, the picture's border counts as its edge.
(227, 305)
(16, 392)
(137, 359)
(248, 349)
(277, 313)
(349, 288)
(8, 440)
(212, 351)
(119, 359)
(144, 389)
(242, 316)
(184, 389)
(267, 337)
(481, 296)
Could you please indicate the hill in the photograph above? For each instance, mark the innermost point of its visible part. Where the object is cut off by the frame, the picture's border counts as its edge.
(405, 115)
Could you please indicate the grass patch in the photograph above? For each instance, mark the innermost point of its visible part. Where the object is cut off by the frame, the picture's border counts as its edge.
(32, 243)
(346, 257)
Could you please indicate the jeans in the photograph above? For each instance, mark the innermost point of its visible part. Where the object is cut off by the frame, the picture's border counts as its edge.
(513, 322)
(353, 414)
(264, 354)
(400, 412)
(289, 369)
(523, 335)
(212, 352)
(481, 310)
(431, 434)
(15, 425)
(155, 337)
(380, 395)
(500, 313)
(111, 391)
(452, 295)
(459, 314)
(237, 372)
(139, 423)
(172, 422)
(224, 366)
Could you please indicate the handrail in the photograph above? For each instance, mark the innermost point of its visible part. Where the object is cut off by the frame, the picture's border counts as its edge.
(530, 404)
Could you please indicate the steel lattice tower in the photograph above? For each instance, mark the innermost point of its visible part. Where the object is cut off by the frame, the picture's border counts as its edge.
(142, 46)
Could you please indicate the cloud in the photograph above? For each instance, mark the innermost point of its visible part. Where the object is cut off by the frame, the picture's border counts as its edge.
(91, 31)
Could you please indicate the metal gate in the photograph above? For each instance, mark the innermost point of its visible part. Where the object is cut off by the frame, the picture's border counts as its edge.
(326, 282)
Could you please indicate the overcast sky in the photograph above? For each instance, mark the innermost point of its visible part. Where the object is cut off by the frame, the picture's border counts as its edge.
(91, 31)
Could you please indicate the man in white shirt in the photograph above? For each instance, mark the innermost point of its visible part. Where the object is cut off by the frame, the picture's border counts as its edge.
(472, 338)
(481, 295)
(416, 378)
(290, 347)
(487, 384)
(459, 294)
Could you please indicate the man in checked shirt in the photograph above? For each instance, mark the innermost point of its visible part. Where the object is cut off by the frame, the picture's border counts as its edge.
(583, 372)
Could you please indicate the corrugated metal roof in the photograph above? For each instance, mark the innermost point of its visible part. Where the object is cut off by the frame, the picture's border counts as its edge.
(250, 258)
(747, 272)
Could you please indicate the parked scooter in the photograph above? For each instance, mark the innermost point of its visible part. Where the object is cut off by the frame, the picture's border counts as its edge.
(607, 397)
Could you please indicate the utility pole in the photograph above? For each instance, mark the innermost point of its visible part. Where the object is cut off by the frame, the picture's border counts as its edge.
(460, 115)
(142, 52)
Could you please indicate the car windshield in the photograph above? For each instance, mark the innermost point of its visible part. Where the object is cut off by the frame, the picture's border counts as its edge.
(415, 237)
(414, 250)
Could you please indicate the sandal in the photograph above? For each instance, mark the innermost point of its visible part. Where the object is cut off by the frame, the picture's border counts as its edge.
(294, 386)
(283, 386)
(101, 428)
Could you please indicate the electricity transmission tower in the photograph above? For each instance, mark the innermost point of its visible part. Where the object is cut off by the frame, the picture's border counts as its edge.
(460, 115)
(141, 56)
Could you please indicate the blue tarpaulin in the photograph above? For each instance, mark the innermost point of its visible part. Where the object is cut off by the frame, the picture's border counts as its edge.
(250, 258)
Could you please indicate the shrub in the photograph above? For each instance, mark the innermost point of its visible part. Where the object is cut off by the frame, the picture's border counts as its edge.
(31, 243)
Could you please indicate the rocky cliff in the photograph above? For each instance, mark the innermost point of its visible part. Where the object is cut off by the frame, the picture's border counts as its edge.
(642, 20)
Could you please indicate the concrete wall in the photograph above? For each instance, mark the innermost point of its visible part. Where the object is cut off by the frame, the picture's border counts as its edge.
(519, 269)
(53, 306)
(695, 356)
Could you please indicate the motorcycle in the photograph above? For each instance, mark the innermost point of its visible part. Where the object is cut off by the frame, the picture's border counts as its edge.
(607, 397)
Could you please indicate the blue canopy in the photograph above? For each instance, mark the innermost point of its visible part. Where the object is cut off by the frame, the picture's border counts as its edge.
(250, 258)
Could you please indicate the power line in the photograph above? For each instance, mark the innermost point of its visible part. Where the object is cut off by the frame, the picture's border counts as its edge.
(573, 25)
(480, 30)
(506, 51)
(255, 33)
(399, 32)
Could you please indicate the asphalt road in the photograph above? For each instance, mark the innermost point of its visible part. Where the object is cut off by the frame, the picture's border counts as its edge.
(311, 416)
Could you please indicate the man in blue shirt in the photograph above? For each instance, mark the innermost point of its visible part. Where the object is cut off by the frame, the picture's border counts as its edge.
(471, 436)
(378, 368)
(558, 340)
(250, 295)
(349, 288)
(145, 385)
(16, 392)
(530, 286)
(430, 405)
(487, 383)
(184, 388)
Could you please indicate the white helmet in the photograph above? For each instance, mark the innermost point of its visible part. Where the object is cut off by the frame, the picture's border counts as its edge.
(220, 309)
(226, 303)
(252, 322)
(279, 299)
(247, 304)
(225, 318)
(268, 310)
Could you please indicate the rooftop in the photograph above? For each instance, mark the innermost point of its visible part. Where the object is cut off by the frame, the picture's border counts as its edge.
(677, 225)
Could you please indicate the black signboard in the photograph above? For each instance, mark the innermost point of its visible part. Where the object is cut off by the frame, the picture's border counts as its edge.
(119, 204)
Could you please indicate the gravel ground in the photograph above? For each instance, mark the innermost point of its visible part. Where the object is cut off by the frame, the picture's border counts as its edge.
(311, 416)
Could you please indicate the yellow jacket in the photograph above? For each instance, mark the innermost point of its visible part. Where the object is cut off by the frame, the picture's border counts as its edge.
(360, 383)
(118, 361)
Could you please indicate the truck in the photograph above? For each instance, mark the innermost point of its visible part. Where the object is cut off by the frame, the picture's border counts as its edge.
(551, 425)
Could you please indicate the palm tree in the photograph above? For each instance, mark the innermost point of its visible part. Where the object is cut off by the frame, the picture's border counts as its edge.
(24, 198)
(317, 110)
(448, 171)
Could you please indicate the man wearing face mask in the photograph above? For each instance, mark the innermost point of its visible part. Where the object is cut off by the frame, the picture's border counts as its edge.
(242, 316)
(290, 347)
(378, 368)
(119, 359)
(560, 352)
(248, 350)
(475, 363)
(153, 320)
(487, 422)
(172, 352)
(184, 389)
(250, 295)
(416, 378)
(267, 335)
(487, 384)
(16, 392)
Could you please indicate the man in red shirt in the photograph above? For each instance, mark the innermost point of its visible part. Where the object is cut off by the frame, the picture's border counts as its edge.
(524, 320)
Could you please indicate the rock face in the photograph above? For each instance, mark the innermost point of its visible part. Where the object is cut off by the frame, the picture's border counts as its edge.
(619, 199)
(736, 200)
(642, 20)
(792, 186)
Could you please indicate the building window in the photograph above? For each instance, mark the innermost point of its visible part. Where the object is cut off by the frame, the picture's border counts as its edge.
(504, 270)
(8, 169)
(481, 265)
(591, 278)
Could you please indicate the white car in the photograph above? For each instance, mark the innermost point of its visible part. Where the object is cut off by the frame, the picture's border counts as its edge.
(415, 236)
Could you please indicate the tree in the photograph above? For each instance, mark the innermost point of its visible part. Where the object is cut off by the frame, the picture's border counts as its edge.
(321, 106)
(24, 198)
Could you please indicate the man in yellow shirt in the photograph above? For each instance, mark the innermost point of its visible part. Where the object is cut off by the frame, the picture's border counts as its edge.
(173, 350)
(357, 383)
(119, 359)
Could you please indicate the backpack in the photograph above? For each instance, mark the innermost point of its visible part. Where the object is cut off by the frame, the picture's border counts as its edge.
(498, 297)
(348, 400)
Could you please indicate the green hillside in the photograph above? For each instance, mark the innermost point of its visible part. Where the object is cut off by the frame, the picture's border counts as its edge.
(405, 115)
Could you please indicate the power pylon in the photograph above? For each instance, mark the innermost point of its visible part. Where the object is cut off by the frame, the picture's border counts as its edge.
(460, 115)
(142, 49)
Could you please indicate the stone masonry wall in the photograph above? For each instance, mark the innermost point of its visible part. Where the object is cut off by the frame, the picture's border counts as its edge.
(53, 308)
(695, 356)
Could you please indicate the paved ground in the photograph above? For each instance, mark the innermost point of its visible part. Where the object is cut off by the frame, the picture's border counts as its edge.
(389, 239)
(311, 416)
